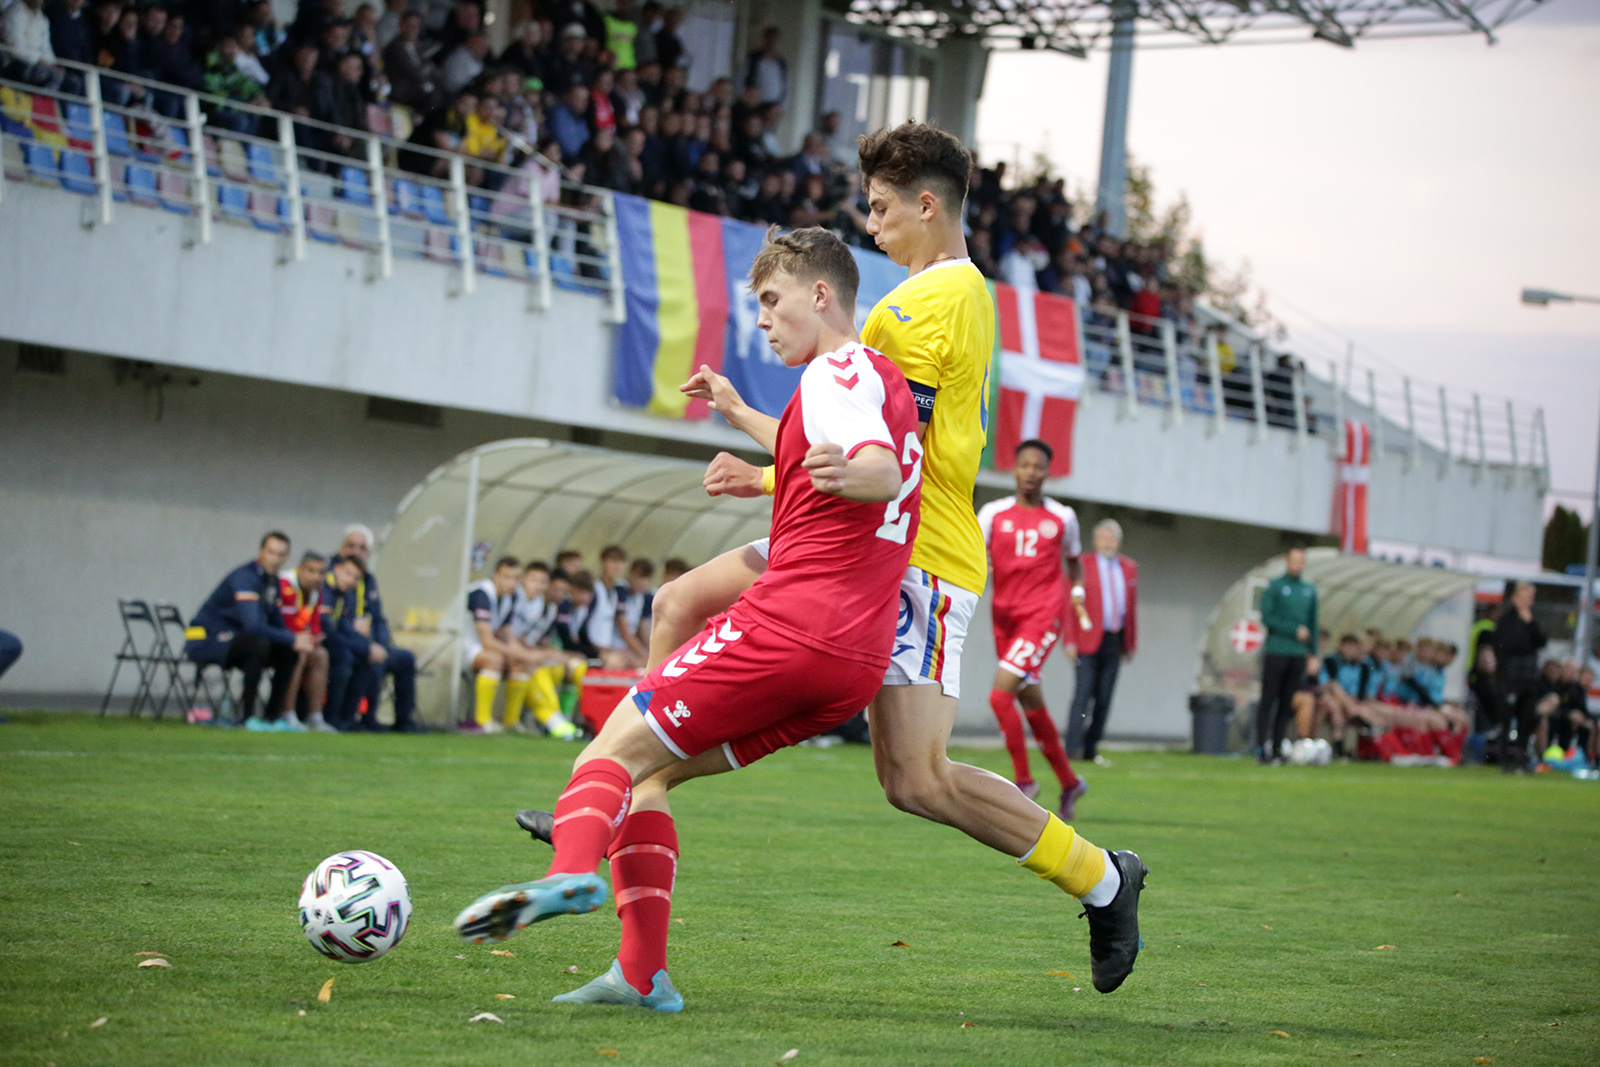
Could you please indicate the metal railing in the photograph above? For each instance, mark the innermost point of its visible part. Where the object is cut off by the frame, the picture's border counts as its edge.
(118, 139)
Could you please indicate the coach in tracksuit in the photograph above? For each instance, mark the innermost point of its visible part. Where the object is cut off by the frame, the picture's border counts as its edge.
(1289, 614)
(361, 650)
(240, 627)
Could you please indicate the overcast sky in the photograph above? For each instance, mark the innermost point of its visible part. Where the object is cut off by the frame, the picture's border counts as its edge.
(1402, 193)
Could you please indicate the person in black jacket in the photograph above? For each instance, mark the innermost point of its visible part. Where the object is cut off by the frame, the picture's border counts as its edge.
(364, 651)
(1518, 637)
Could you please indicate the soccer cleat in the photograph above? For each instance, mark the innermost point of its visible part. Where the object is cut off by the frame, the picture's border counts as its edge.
(256, 724)
(1029, 789)
(1114, 941)
(469, 727)
(560, 727)
(612, 988)
(496, 916)
(1069, 800)
(290, 723)
(541, 824)
(491, 727)
(318, 724)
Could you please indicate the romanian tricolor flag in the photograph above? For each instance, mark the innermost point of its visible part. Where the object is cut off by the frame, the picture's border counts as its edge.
(676, 282)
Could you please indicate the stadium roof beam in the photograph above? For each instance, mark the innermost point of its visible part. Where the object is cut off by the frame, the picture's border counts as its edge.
(1074, 27)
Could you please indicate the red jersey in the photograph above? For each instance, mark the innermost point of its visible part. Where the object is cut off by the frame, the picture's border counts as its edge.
(834, 566)
(1027, 546)
(301, 611)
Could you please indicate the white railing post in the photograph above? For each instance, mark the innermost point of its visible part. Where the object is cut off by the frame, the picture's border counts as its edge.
(292, 190)
(1258, 389)
(1336, 441)
(1444, 421)
(1511, 435)
(1542, 465)
(195, 122)
(619, 305)
(1298, 390)
(1214, 365)
(102, 158)
(1477, 415)
(1377, 418)
(1411, 424)
(541, 242)
(1169, 344)
(380, 198)
(1130, 405)
(458, 193)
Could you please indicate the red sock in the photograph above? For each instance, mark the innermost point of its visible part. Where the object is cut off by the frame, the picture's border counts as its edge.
(1050, 746)
(588, 814)
(1005, 710)
(644, 864)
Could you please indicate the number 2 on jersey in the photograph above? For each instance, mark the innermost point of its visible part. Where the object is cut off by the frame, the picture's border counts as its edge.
(896, 524)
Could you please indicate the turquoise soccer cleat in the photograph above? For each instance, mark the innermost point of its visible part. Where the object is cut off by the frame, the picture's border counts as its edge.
(612, 988)
(496, 916)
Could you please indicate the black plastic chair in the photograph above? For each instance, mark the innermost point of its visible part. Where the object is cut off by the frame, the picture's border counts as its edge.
(136, 613)
(171, 627)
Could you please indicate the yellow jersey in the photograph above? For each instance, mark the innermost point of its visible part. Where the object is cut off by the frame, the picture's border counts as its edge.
(938, 328)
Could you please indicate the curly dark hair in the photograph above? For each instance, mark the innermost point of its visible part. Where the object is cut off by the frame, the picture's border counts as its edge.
(915, 156)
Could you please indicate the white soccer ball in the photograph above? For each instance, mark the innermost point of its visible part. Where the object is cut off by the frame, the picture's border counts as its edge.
(1303, 752)
(1323, 754)
(355, 906)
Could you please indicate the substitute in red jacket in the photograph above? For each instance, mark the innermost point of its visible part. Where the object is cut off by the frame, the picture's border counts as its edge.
(1111, 609)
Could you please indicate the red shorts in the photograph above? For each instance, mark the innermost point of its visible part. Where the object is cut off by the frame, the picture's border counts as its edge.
(1022, 644)
(751, 689)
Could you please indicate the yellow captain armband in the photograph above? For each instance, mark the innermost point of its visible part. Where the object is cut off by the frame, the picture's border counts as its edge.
(769, 479)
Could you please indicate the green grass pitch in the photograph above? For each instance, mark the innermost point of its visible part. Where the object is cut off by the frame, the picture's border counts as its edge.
(1270, 894)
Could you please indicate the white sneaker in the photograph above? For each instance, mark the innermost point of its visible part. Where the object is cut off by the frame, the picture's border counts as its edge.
(291, 724)
(492, 727)
(320, 725)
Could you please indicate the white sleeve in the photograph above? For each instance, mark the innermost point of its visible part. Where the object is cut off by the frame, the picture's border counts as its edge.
(986, 516)
(844, 405)
(1071, 538)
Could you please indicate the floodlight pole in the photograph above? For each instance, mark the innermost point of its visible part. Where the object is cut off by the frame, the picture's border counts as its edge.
(1111, 197)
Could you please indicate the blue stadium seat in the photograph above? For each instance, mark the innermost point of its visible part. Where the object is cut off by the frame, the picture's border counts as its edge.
(117, 135)
(77, 174)
(40, 159)
(180, 141)
(142, 185)
(355, 186)
(262, 166)
(406, 200)
(478, 205)
(80, 123)
(433, 206)
(233, 201)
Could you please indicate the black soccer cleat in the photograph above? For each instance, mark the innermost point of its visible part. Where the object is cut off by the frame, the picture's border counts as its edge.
(1114, 929)
(541, 824)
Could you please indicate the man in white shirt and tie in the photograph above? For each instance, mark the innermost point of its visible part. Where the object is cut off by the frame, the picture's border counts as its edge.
(1102, 637)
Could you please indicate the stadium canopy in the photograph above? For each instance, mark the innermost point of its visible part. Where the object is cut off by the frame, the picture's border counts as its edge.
(1077, 26)
(1354, 594)
(531, 498)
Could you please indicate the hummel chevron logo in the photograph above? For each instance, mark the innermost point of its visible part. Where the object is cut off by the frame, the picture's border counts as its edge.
(840, 363)
(902, 316)
(711, 643)
(848, 383)
(694, 656)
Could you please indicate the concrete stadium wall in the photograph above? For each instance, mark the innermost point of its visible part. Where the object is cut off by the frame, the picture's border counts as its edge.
(111, 490)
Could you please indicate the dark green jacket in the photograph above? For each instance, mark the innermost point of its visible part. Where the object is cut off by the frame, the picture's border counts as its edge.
(1287, 604)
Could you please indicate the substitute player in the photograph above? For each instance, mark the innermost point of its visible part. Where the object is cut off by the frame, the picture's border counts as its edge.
(800, 651)
(1029, 536)
(938, 328)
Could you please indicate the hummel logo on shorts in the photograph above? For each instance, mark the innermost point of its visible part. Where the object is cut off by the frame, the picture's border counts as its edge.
(676, 713)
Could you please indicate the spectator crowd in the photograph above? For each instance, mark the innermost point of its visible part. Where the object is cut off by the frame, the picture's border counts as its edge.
(320, 629)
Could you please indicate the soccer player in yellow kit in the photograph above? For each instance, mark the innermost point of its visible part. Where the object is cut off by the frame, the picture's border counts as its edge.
(938, 327)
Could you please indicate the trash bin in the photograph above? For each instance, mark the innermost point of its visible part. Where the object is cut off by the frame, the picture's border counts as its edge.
(1211, 712)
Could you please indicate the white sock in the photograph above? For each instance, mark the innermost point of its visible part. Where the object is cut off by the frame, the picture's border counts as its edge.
(1105, 890)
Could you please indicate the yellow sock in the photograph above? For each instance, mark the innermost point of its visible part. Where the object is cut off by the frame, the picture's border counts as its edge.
(487, 684)
(542, 692)
(578, 670)
(516, 697)
(1063, 857)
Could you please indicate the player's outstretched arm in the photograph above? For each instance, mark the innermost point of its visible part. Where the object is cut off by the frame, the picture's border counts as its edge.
(871, 476)
(708, 385)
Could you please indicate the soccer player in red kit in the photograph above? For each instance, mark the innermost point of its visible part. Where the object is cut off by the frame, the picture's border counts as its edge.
(1029, 537)
(801, 651)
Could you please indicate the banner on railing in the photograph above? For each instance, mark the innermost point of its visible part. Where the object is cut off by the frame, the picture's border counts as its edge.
(688, 304)
(1355, 471)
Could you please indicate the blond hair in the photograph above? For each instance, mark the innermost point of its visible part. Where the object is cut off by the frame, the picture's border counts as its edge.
(808, 255)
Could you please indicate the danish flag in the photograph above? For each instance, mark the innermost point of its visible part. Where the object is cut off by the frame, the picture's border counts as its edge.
(1041, 374)
(1350, 500)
